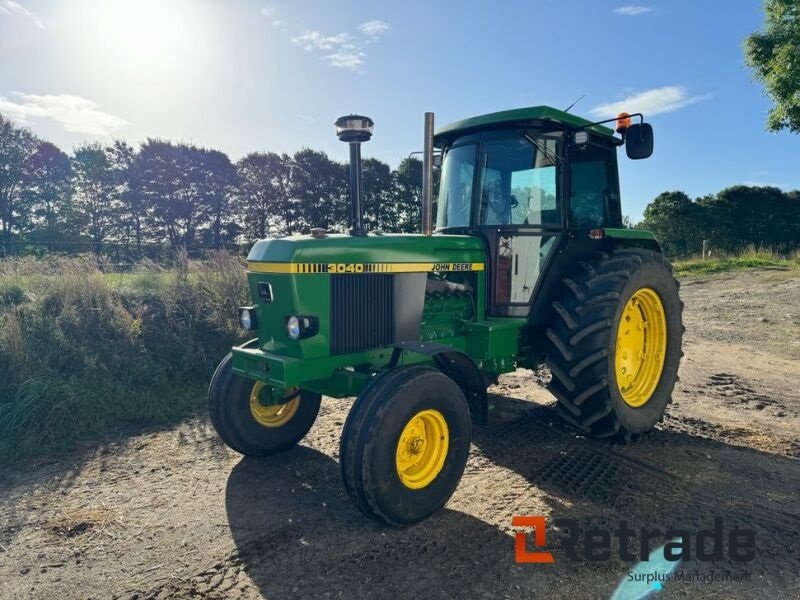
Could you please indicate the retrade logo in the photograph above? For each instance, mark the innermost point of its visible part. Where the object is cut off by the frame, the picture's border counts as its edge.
(539, 525)
(584, 543)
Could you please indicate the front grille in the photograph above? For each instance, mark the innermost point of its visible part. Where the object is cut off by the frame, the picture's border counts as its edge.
(362, 312)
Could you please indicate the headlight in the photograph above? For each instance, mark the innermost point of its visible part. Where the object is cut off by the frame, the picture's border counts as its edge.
(247, 318)
(300, 327)
(293, 328)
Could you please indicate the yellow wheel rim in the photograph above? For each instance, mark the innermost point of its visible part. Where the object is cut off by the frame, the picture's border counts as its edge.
(274, 415)
(422, 449)
(641, 347)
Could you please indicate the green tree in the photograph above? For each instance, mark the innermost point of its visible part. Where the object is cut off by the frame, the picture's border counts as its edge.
(17, 145)
(407, 191)
(217, 179)
(774, 56)
(48, 190)
(319, 185)
(676, 221)
(742, 215)
(94, 200)
(131, 212)
(379, 209)
(263, 197)
(167, 178)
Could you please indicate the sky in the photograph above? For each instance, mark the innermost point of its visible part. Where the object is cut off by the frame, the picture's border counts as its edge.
(248, 75)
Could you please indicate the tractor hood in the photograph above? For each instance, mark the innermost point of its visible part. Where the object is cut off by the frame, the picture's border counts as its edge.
(364, 254)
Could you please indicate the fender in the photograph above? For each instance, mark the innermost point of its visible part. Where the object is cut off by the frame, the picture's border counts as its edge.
(457, 366)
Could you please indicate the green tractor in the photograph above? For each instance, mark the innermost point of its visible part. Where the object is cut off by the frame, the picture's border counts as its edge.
(528, 263)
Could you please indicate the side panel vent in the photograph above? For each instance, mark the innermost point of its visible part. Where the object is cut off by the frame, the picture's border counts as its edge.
(362, 312)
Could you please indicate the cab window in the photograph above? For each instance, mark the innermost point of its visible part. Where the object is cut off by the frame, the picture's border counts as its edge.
(518, 184)
(594, 189)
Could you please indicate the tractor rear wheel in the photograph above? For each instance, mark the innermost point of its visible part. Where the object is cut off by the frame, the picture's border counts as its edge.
(250, 427)
(615, 343)
(405, 444)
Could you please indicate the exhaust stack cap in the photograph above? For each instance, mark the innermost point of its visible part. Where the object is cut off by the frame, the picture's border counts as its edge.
(354, 128)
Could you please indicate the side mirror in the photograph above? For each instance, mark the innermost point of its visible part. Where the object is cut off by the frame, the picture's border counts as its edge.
(639, 141)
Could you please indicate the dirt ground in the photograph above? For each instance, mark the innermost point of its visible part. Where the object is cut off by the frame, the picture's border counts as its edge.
(174, 514)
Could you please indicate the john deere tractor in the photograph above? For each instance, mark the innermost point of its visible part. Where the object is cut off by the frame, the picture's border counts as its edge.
(528, 262)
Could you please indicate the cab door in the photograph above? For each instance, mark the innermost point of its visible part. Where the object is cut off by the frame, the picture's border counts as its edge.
(519, 213)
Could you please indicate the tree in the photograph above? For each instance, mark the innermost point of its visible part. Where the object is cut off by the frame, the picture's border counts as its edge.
(742, 215)
(161, 181)
(319, 185)
(48, 190)
(17, 145)
(773, 54)
(263, 195)
(216, 179)
(676, 221)
(93, 182)
(380, 211)
(408, 195)
(131, 210)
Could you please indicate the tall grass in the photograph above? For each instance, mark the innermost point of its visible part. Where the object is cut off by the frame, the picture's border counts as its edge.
(82, 351)
(751, 258)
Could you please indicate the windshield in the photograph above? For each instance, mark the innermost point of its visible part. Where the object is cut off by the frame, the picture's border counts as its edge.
(455, 189)
(518, 182)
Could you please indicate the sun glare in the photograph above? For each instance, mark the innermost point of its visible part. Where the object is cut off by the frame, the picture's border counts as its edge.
(142, 33)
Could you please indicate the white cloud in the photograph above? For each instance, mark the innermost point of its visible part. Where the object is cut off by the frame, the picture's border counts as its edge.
(632, 11)
(347, 59)
(277, 23)
(11, 8)
(342, 50)
(74, 113)
(650, 102)
(374, 28)
(314, 40)
(267, 12)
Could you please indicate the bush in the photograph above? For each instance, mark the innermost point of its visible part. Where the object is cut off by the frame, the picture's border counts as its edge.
(11, 295)
(89, 351)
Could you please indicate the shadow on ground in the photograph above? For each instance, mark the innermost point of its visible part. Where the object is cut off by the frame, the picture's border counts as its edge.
(297, 535)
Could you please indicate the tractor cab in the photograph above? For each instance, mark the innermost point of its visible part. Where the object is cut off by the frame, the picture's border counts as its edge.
(525, 181)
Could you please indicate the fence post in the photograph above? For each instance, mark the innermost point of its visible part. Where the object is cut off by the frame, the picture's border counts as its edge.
(704, 249)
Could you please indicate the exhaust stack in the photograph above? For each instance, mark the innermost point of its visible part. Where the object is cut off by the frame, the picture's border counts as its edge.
(427, 177)
(355, 129)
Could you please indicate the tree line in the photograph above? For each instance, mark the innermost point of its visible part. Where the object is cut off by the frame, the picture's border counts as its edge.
(181, 195)
(730, 220)
(184, 195)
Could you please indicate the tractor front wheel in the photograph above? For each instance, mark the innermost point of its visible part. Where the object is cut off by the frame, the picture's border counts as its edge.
(405, 444)
(250, 427)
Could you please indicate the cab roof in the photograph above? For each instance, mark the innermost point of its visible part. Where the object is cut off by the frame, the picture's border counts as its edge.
(518, 116)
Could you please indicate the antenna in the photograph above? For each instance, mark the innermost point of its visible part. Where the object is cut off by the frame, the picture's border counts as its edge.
(574, 103)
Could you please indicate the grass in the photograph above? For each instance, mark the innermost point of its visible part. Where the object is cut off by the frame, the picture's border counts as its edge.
(749, 259)
(83, 351)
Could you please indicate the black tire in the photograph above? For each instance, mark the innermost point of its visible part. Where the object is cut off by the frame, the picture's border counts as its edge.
(229, 409)
(583, 337)
(370, 440)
